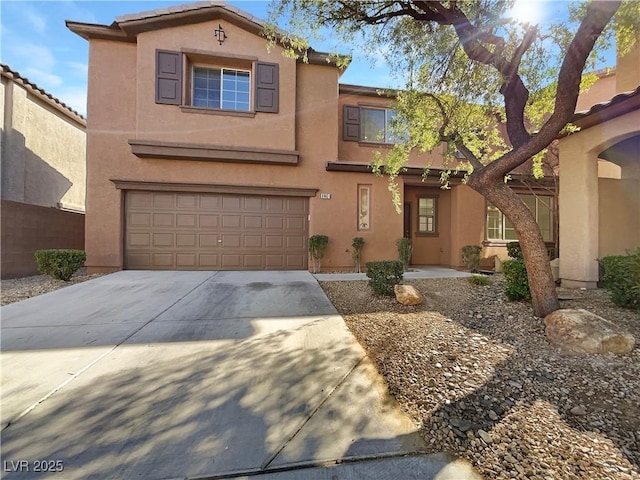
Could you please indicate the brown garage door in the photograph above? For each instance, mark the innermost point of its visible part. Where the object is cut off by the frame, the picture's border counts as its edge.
(211, 231)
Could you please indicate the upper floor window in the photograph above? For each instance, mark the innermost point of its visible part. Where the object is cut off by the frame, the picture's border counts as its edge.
(216, 82)
(369, 124)
(375, 125)
(501, 229)
(222, 88)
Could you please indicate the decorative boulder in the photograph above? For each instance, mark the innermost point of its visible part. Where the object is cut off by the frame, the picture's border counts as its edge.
(407, 295)
(580, 331)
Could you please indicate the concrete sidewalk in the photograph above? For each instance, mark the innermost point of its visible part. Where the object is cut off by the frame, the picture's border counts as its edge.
(414, 272)
(164, 375)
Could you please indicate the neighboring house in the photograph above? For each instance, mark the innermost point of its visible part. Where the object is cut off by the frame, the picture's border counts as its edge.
(600, 175)
(206, 151)
(43, 169)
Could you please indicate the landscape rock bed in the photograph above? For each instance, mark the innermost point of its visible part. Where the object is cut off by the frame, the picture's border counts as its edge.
(479, 377)
(17, 289)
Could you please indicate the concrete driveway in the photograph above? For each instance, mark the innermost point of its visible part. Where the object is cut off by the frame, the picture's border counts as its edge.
(160, 375)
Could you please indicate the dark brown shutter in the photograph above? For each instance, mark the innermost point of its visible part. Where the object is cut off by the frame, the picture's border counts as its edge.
(266, 87)
(168, 77)
(351, 123)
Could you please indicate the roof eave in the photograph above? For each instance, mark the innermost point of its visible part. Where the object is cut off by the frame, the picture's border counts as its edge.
(92, 31)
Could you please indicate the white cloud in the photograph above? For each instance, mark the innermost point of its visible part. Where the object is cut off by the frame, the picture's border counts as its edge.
(37, 22)
(40, 57)
(78, 68)
(43, 79)
(75, 12)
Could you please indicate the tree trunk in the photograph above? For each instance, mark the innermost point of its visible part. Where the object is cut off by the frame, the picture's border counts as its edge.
(543, 289)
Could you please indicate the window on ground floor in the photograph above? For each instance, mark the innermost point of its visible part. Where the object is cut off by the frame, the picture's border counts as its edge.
(427, 215)
(364, 207)
(499, 228)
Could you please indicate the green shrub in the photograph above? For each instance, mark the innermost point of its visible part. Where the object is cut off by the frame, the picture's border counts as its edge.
(404, 252)
(357, 244)
(60, 263)
(471, 257)
(622, 278)
(317, 247)
(384, 275)
(514, 251)
(481, 280)
(516, 284)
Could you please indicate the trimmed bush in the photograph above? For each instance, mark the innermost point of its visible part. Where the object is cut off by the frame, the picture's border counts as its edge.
(404, 252)
(514, 251)
(384, 276)
(480, 280)
(516, 284)
(471, 257)
(622, 278)
(60, 263)
(317, 247)
(357, 244)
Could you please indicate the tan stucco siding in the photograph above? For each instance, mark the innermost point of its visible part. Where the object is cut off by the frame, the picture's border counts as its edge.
(173, 124)
(601, 91)
(628, 69)
(43, 152)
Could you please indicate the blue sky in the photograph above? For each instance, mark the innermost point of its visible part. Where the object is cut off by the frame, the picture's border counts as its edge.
(36, 43)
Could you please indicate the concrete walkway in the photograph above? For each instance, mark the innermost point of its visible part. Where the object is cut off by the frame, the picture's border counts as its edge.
(414, 272)
(164, 375)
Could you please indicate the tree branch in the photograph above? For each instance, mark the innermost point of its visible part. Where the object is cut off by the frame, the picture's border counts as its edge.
(598, 14)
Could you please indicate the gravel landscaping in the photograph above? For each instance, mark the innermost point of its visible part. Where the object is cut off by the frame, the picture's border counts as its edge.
(17, 289)
(479, 377)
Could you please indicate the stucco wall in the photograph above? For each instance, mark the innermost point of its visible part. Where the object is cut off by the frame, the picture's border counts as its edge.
(27, 228)
(43, 152)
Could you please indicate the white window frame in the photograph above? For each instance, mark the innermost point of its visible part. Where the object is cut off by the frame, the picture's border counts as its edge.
(222, 70)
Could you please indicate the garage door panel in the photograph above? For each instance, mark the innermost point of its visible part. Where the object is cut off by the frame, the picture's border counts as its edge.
(252, 262)
(208, 220)
(163, 220)
(162, 259)
(252, 222)
(296, 205)
(230, 260)
(274, 223)
(252, 241)
(186, 220)
(273, 242)
(163, 200)
(187, 201)
(209, 260)
(210, 202)
(191, 231)
(296, 262)
(186, 260)
(208, 240)
(139, 239)
(139, 220)
(163, 239)
(231, 241)
(186, 240)
(231, 221)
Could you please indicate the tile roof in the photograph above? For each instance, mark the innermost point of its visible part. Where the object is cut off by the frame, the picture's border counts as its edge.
(598, 107)
(187, 7)
(43, 94)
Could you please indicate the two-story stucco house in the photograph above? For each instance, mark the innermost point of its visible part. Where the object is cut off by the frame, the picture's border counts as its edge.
(42, 157)
(207, 151)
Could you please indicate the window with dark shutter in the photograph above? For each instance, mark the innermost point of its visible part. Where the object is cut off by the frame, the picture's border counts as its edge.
(266, 87)
(351, 123)
(168, 77)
